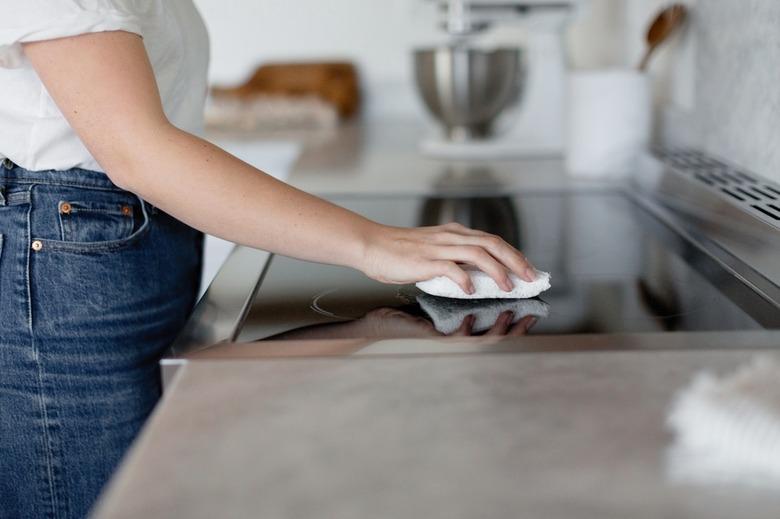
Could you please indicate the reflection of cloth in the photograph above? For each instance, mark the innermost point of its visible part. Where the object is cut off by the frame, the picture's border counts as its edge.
(448, 314)
(485, 287)
(728, 429)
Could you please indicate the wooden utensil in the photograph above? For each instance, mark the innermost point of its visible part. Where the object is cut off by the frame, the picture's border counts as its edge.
(664, 25)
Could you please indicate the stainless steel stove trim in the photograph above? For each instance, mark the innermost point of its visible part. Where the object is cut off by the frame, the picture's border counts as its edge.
(755, 195)
(744, 242)
(744, 283)
(221, 311)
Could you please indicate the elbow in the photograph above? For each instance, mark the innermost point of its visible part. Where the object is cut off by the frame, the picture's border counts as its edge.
(127, 175)
(121, 178)
(130, 162)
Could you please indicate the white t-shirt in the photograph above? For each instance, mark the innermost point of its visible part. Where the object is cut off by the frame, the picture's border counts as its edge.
(33, 132)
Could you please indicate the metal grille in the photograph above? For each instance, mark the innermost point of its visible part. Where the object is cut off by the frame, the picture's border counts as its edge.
(758, 196)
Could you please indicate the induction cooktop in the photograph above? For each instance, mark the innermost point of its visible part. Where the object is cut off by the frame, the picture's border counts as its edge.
(616, 268)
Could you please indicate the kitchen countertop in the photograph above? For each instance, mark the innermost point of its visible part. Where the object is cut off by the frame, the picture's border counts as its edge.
(383, 158)
(471, 432)
(561, 435)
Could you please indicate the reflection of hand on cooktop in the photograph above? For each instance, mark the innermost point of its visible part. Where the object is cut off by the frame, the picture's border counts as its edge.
(392, 322)
(395, 323)
(449, 314)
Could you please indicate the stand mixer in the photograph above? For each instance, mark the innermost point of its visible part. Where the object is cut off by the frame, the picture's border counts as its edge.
(497, 87)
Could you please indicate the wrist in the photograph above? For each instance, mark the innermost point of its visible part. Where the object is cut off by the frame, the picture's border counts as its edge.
(370, 237)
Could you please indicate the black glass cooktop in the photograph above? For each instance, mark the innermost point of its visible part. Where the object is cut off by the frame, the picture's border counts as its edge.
(615, 268)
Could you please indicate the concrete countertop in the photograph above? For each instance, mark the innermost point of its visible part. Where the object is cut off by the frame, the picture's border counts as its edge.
(561, 435)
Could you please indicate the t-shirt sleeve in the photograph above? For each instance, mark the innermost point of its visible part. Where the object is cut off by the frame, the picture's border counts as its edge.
(35, 20)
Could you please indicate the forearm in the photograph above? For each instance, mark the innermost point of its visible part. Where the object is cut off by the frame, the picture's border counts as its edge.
(213, 191)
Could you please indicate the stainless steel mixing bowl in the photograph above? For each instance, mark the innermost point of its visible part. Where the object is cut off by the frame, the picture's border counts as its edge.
(466, 89)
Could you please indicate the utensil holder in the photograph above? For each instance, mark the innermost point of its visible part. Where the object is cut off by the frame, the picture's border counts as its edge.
(609, 119)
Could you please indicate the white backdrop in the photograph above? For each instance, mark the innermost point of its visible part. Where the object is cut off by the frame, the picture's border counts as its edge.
(379, 35)
(376, 34)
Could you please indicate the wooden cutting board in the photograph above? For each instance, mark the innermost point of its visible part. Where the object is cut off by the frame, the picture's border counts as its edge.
(336, 83)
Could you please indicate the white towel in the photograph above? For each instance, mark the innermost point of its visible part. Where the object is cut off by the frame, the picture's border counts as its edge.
(485, 287)
(728, 428)
(448, 314)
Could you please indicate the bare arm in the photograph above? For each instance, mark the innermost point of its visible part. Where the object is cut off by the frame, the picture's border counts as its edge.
(104, 85)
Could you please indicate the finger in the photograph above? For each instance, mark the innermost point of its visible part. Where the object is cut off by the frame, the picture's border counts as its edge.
(455, 227)
(480, 258)
(529, 322)
(451, 270)
(453, 233)
(523, 326)
(462, 230)
(512, 258)
(506, 254)
(502, 324)
(466, 327)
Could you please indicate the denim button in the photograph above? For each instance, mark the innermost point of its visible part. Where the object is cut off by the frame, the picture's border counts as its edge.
(8, 164)
(37, 245)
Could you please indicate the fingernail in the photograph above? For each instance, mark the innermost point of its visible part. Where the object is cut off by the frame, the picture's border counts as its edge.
(530, 274)
(509, 315)
(531, 323)
(508, 285)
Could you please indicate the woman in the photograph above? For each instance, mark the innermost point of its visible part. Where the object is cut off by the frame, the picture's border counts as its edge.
(102, 185)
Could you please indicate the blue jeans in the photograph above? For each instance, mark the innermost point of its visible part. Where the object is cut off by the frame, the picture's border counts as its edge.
(94, 285)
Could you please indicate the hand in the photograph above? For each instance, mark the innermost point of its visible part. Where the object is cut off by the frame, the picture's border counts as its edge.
(400, 256)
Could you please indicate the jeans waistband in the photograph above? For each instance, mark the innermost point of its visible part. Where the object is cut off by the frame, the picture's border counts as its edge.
(11, 173)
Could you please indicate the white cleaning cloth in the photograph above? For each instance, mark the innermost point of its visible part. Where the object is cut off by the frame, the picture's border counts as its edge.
(448, 314)
(485, 287)
(728, 429)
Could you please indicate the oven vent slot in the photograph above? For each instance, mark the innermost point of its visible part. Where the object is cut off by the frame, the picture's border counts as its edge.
(758, 196)
(774, 214)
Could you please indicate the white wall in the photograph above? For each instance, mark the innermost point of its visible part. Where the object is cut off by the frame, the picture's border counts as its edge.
(718, 83)
(376, 34)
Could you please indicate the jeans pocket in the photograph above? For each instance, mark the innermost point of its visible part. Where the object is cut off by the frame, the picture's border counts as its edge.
(95, 221)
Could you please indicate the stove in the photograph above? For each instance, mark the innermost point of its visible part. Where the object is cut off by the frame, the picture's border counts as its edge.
(671, 259)
(616, 268)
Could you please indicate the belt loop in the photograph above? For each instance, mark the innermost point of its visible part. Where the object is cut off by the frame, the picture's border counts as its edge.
(7, 164)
